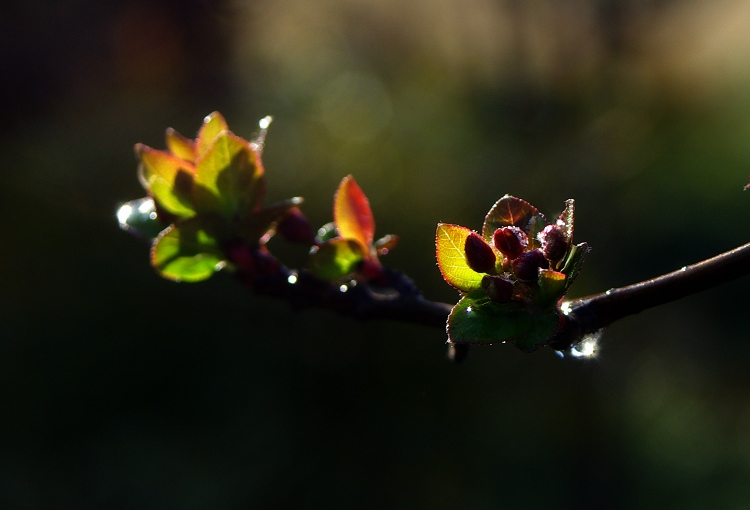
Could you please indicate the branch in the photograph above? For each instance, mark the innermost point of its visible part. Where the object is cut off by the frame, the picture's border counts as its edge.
(399, 299)
(590, 314)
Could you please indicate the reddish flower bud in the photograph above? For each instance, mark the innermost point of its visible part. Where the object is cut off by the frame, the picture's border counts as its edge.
(479, 254)
(498, 289)
(554, 243)
(511, 241)
(526, 266)
(295, 227)
(371, 269)
(241, 256)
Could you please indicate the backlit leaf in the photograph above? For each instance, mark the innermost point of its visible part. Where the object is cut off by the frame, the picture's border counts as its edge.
(168, 178)
(552, 285)
(335, 259)
(574, 261)
(213, 124)
(510, 211)
(449, 244)
(229, 178)
(186, 252)
(477, 320)
(352, 213)
(180, 146)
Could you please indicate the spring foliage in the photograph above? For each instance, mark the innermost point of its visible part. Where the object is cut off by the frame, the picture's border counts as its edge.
(204, 212)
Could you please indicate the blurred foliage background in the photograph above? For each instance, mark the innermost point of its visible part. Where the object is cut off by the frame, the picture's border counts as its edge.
(121, 390)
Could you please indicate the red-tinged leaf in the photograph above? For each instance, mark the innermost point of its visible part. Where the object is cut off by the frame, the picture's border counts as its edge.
(451, 258)
(168, 178)
(335, 259)
(180, 146)
(229, 178)
(513, 212)
(213, 124)
(352, 213)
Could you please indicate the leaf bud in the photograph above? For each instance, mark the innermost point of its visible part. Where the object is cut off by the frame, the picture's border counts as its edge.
(479, 254)
(295, 227)
(511, 241)
(371, 269)
(554, 242)
(526, 266)
(498, 289)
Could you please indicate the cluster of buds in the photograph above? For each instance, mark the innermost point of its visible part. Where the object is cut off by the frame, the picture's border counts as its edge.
(516, 266)
(512, 276)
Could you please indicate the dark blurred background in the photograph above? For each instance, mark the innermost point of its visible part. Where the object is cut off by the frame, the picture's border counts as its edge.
(122, 390)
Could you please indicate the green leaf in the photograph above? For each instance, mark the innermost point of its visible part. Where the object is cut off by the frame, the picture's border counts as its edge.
(168, 178)
(510, 211)
(335, 259)
(180, 146)
(229, 178)
(449, 244)
(477, 320)
(213, 124)
(552, 285)
(138, 217)
(573, 262)
(186, 251)
(544, 325)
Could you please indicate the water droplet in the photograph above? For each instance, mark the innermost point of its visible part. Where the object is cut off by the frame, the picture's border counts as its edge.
(292, 279)
(566, 307)
(352, 283)
(152, 215)
(468, 309)
(684, 268)
(146, 207)
(608, 292)
(265, 122)
(343, 288)
(220, 265)
(123, 213)
(587, 347)
(260, 140)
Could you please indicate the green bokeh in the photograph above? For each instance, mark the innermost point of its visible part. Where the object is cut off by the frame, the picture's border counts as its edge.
(121, 389)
